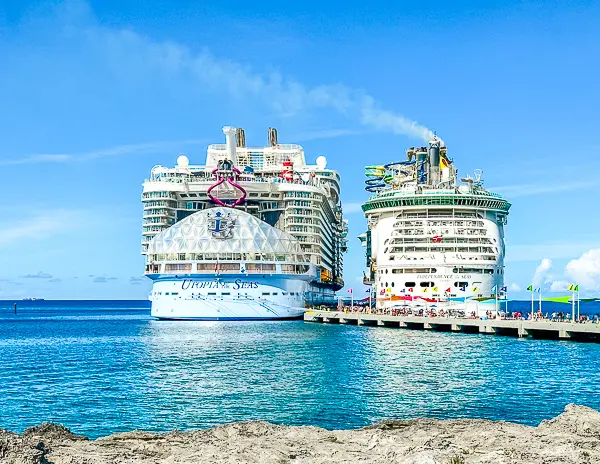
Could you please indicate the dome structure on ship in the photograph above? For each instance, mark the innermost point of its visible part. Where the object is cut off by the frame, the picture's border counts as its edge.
(226, 230)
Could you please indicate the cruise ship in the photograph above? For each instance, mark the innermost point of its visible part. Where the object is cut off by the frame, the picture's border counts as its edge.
(253, 233)
(434, 240)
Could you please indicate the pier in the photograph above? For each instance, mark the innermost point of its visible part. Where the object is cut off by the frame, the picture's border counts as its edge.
(510, 327)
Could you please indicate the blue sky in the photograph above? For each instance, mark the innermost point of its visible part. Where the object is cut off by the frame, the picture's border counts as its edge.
(94, 94)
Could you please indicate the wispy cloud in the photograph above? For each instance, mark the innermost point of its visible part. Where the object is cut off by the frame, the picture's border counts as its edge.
(128, 53)
(135, 280)
(37, 227)
(103, 280)
(119, 150)
(524, 190)
(324, 134)
(555, 251)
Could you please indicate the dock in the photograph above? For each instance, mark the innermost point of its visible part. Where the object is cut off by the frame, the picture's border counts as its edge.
(517, 328)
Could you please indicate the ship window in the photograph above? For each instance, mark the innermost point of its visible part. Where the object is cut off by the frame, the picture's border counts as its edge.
(266, 293)
(168, 293)
(461, 284)
(193, 195)
(409, 284)
(174, 293)
(426, 284)
(225, 294)
(488, 271)
(284, 293)
(275, 293)
(212, 293)
(392, 284)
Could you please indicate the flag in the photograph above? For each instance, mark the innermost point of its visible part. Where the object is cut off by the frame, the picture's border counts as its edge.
(410, 289)
(463, 289)
(504, 289)
(475, 289)
(368, 290)
(403, 290)
(434, 289)
(530, 288)
(572, 287)
(538, 290)
(494, 288)
(448, 290)
(444, 163)
(425, 290)
(576, 288)
(350, 291)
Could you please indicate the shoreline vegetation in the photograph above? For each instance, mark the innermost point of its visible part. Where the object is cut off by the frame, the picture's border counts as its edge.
(571, 437)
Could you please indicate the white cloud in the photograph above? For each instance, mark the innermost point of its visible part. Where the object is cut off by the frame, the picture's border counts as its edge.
(541, 272)
(585, 270)
(559, 286)
(514, 287)
(127, 52)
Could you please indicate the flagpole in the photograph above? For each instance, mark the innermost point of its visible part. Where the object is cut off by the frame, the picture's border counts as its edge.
(496, 294)
(578, 298)
(506, 302)
(573, 306)
(540, 301)
(532, 298)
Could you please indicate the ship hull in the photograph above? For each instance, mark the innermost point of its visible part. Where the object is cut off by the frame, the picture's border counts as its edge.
(233, 298)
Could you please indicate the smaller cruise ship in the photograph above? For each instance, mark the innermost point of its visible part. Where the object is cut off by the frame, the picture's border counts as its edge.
(434, 240)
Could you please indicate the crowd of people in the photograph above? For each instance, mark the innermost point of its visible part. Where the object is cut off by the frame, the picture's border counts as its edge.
(459, 313)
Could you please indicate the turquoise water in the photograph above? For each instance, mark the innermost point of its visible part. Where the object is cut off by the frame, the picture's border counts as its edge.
(104, 367)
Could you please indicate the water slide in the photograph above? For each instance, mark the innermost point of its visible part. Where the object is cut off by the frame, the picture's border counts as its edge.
(375, 175)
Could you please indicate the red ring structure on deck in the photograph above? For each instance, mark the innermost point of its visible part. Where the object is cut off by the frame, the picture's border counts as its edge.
(231, 181)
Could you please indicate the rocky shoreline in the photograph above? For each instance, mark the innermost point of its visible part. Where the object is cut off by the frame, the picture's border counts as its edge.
(572, 437)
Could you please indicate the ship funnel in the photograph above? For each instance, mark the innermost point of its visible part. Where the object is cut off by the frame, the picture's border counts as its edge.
(240, 138)
(272, 137)
(230, 141)
(434, 160)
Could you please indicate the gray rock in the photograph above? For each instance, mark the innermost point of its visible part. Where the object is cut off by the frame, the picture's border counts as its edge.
(572, 437)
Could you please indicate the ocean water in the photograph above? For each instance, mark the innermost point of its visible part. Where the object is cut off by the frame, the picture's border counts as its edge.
(104, 367)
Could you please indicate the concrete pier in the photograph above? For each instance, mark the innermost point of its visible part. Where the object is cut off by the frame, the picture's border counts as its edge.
(515, 328)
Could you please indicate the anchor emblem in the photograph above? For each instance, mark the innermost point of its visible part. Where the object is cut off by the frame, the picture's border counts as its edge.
(221, 225)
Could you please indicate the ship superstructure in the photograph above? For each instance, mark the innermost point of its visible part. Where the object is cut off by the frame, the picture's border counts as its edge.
(433, 238)
(260, 216)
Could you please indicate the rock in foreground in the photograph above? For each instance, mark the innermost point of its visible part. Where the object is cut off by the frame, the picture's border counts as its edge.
(572, 437)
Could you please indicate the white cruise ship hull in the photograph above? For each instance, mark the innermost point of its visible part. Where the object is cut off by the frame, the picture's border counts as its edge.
(219, 298)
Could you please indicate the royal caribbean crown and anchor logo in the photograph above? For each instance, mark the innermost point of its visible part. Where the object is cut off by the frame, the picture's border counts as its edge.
(221, 225)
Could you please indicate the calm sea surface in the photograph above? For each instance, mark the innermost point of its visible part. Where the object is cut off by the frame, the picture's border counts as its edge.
(103, 367)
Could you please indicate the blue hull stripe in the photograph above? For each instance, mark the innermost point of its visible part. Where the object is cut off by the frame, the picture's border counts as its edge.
(227, 318)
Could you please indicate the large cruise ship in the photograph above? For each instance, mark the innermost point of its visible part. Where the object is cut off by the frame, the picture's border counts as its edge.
(433, 239)
(253, 233)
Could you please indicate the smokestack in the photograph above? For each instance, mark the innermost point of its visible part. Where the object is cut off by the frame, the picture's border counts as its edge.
(434, 161)
(230, 141)
(240, 138)
(272, 137)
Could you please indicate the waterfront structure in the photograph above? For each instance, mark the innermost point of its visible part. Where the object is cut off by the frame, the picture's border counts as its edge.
(254, 233)
(433, 239)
